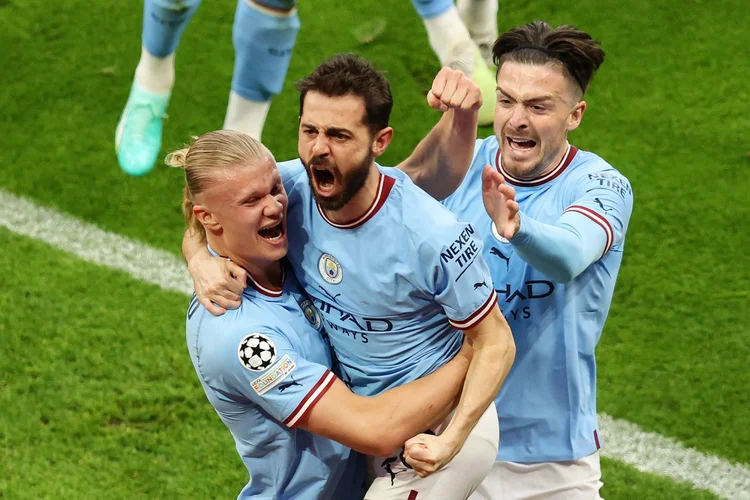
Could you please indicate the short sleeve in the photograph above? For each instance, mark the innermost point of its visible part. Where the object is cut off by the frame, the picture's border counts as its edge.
(265, 368)
(462, 283)
(605, 199)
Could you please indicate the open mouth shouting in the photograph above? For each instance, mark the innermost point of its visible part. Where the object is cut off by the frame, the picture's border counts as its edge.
(273, 232)
(520, 144)
(324, 178)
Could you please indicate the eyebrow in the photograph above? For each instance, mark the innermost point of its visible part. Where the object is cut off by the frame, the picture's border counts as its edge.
(543, 98)
(329, 130)
(256, 192)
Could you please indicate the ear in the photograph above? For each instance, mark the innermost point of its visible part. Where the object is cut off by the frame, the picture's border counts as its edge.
(575, 117)
(381, 141)
(206, 218)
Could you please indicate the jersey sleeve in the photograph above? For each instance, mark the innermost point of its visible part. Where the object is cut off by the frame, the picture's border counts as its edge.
(592, 224)
(602, 208)
(263, 367)
(462, 283)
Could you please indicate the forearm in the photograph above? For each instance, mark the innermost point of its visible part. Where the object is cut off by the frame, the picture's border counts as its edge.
(405, 411)
(192, 245)
(559, 251)
(493, 357)
(440, 161)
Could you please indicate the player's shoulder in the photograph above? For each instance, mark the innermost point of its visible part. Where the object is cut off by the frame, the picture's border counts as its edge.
(217, 339)
(292, 172)
(587, 165)
(424, 219)
(485, 152)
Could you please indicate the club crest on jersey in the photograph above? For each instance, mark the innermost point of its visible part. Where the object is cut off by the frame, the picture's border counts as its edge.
(330, 269)
(256, 352)
(497, 235)
(311, 313)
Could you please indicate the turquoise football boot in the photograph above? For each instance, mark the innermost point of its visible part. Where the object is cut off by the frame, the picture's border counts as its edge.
(138, 134)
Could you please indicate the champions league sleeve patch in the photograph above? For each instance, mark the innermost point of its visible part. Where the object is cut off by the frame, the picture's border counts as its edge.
(256, 352)
(274, 376)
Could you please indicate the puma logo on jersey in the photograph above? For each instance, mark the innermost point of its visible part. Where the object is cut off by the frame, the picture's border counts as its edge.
(286, 386)
(599, 202)
(332, 297)
(387, 465)
(480, 285)
(497, 253)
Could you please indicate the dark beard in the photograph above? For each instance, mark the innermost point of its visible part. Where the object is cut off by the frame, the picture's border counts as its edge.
(351, 183)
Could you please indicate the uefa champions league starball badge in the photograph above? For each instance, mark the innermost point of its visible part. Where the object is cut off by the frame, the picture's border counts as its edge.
(256, 352)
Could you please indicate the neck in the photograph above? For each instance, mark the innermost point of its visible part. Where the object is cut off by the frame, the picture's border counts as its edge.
(544, 169)
(362, 201)
(266, 273)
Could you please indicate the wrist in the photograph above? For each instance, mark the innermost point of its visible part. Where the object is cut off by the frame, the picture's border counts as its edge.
(516, 226)
(453, 439)
(195, 259)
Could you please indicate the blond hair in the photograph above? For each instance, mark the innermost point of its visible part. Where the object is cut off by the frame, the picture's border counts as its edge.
(209, 152)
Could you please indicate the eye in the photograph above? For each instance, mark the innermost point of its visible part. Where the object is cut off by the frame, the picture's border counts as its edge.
(504, 101)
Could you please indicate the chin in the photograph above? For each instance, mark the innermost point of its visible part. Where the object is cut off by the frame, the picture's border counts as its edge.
(277, 253)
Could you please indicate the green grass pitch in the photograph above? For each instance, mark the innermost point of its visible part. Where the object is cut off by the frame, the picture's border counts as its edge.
(98, 398)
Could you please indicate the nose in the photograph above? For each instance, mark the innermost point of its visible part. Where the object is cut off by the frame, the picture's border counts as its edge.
(273, 208)
(320, 146)
(519, 120)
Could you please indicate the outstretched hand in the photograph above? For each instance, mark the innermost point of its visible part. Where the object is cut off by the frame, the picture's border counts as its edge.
(500, 202)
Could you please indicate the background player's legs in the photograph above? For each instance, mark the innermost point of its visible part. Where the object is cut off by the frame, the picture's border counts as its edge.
(138, 135)
(455, 481)
(452, 44)
(480, 18)
(264, 36)
(574, 480)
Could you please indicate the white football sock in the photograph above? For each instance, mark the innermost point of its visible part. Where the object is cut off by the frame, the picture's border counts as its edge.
(244, 115)
(480, 17)
(445, 32)
(155, 74)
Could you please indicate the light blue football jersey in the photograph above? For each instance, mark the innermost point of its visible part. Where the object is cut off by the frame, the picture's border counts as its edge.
(395, 287)
(263, 367)
(547, 405)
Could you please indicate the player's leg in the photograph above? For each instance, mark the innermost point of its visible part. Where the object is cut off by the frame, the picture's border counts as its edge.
(574, 480)
(264, 35)
(456, 481)
(452, 44)
(138, 135)
(480, 18)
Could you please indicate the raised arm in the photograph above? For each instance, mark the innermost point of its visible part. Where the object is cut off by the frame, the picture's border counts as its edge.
(589, 227)
(440, 161)
(381, 424)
